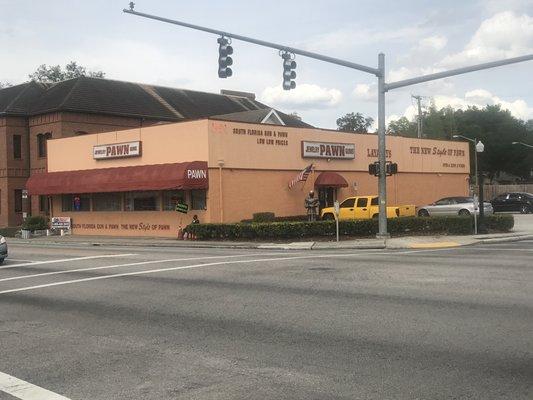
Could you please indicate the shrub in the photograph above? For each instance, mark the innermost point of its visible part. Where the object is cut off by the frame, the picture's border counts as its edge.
(8, 232)
(263, 217)
(35, 223)
(456, 225)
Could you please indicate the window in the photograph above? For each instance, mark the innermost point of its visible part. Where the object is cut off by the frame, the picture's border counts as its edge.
(17, 146)
(198, 199)
(43, 204)
(171, 198)
(107, 202)
(142, 201)
(41, 143)
(76, 202)
(362, 202)
(374, 201)
(514, 196)
(347, 203)
(18, 200)
(443, 202)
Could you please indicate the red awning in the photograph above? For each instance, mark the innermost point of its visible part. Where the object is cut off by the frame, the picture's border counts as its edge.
(330, 179)
(189, 175)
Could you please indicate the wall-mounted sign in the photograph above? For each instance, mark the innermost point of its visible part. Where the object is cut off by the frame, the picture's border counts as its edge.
(61, 223)
(341, 151)
(117, 150)
(182, 208)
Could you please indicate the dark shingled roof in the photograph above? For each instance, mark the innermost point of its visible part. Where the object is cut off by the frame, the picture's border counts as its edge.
(110, 97)
(257, 116)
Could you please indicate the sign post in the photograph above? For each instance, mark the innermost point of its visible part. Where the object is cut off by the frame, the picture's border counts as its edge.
(337, 209)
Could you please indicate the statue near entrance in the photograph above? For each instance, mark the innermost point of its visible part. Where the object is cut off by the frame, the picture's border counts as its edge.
(311, 204)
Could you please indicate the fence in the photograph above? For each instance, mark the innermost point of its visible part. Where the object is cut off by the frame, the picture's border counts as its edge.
(491, 191)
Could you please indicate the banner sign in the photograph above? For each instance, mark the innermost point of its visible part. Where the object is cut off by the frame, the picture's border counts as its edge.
(61, 223)
(342, 151)
(117, 150)
(182, 208)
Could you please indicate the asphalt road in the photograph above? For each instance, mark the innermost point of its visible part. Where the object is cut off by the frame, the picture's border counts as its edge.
(131, 323)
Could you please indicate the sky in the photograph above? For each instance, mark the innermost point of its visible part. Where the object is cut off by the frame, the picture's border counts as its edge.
(417, 37)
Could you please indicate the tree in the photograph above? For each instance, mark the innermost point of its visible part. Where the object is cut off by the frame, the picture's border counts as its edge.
(354, 122)
(402, 127)
(4, 84)
(54, 73)
(295, 115)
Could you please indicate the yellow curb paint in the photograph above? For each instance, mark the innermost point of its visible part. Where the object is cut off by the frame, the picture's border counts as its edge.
(435, 245)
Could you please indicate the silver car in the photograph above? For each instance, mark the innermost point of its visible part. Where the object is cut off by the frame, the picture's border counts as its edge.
(3, 249)
(453, 206)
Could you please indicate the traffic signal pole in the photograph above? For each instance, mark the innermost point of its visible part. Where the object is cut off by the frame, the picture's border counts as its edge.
(383, 88)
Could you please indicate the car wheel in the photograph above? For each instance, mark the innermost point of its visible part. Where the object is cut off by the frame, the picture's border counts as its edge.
(423, 213)
(464, 212)
(524, 209)
(375, 216)
(328, 217)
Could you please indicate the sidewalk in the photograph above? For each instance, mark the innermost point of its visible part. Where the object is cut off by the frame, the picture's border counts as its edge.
(405, 242)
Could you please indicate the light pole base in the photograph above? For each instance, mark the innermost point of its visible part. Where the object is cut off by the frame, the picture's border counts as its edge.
(383, 236)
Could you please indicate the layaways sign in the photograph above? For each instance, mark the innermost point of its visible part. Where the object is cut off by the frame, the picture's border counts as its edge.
(328, 150)
(117, 150)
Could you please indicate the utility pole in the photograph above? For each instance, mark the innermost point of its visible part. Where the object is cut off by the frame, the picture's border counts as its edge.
(420, 127)
(379, 72)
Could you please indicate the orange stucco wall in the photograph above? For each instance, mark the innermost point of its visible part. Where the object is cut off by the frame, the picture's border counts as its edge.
(250, 166)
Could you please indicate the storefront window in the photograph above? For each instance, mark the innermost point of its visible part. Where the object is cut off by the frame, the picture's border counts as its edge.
(107, 202)
(142, 201)
(171, 198)
(198, 199)
(76, 202)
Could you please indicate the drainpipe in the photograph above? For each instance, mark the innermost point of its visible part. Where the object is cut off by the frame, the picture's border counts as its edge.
(221, 199)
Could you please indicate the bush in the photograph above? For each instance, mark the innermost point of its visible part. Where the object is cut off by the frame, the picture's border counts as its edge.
(499, 222)
(35, 223)
(263, 217)
(8, 232)
(456, 225)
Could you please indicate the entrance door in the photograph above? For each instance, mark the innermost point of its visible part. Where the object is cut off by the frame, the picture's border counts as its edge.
(326, 196)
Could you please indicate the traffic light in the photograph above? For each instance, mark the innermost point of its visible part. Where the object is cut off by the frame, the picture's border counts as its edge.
(288, 71)
(224, 59)
(373, 169)
(391, 168)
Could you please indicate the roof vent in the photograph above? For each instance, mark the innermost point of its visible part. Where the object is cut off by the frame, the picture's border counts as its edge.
(235, 93)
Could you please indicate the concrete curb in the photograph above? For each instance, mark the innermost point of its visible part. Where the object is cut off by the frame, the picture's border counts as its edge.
(369, 244)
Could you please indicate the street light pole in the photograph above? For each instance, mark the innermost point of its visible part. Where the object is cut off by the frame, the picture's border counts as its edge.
(476, 203)
(382, 153)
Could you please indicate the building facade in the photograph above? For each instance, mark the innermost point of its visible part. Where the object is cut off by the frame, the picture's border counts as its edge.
(33, 113)
(128, 182)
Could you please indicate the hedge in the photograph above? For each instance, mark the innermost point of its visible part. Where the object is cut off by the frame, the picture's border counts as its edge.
(456, 225)
(9, 232)
(35, 223)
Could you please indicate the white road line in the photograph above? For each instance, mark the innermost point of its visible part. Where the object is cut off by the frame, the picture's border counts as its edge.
(153, 271)
(63, 260)
(24, 390)
(68, 271)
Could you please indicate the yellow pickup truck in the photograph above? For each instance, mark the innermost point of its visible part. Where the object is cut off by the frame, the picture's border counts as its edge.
(365, 207)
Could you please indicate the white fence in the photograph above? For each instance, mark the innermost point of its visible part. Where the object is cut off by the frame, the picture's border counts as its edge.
(491, 191)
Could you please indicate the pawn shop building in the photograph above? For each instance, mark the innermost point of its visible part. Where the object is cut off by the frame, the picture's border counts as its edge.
(128, 182)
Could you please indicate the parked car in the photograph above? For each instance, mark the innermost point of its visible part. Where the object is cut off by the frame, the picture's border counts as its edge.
(3, 249)
(453, 206)
(365, 207)
(517, 202)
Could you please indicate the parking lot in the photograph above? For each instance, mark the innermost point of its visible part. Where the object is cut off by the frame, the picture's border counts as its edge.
(116, 323)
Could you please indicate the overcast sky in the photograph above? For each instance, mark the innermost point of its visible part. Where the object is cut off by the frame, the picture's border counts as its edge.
(418, 37)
